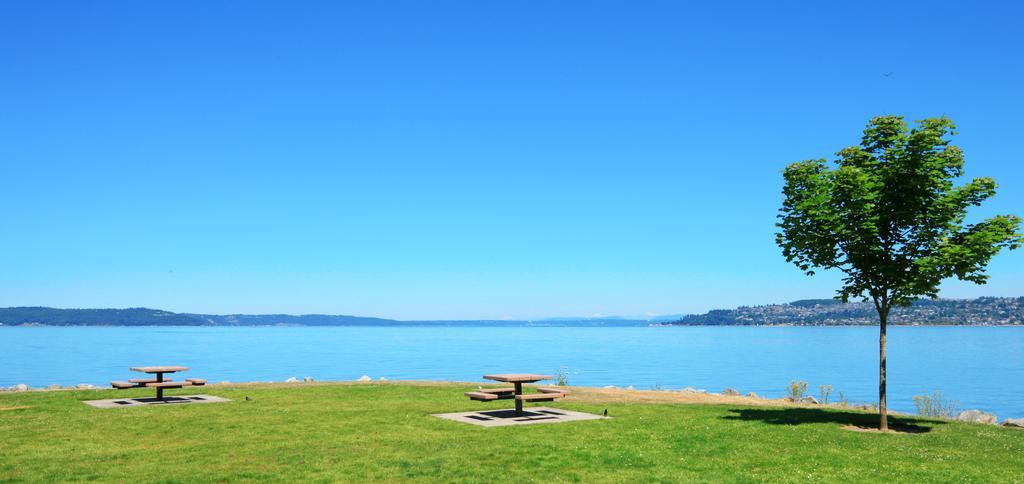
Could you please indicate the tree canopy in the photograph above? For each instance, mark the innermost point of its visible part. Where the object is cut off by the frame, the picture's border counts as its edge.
(890, 215)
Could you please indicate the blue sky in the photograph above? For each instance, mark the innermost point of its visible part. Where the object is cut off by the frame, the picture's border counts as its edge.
(462, 159)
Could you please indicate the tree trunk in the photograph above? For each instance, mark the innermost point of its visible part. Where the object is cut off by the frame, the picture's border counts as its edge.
(883, 316)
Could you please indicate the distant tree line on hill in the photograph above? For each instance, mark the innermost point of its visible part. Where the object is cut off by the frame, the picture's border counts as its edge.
(819, 312)
(27, 316)
(95, 317)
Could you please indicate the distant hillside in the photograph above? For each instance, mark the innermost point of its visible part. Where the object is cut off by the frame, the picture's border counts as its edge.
(26, 316)
(818, 312)
(95, 317)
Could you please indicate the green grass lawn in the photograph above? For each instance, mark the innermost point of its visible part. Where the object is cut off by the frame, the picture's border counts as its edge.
(386, 432)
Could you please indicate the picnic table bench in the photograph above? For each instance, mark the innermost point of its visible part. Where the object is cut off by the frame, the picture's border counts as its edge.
(516, 391)
(159, 382)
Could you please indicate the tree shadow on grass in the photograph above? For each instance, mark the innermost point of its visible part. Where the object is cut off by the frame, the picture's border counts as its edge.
(852, 420)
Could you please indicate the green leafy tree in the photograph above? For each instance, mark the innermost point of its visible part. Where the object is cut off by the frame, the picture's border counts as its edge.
(890, 216)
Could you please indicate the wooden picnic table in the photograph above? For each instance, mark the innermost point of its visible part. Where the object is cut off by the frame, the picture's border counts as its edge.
(159, 371)
(159, 383)
(517, 379)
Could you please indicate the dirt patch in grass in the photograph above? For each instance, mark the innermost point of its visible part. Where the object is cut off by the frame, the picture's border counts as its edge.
(21, 407)
(893, 429)
(618, 395)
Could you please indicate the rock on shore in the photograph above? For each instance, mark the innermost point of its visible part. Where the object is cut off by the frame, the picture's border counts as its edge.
(1014, 423)
(976, 416)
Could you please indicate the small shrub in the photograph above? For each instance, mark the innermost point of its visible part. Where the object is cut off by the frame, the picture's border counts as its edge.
(843, 401)
(562, 376)
(935, 406)
(826, 391)
(796, 390)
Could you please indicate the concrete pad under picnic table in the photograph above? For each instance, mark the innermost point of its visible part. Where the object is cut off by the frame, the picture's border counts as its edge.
(504, 417)
(143, 401)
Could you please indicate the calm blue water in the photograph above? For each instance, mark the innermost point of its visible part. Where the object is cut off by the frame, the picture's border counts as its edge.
(981, 367)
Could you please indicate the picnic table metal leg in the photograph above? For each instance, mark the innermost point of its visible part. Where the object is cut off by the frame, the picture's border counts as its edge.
(519, 403)
(159, 390)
